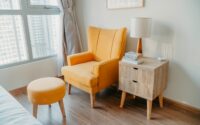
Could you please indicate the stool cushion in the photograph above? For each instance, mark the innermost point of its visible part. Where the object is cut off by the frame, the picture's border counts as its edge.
(46, 90)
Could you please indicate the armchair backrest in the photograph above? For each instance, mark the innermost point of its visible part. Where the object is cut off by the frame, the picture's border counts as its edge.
(106, 43)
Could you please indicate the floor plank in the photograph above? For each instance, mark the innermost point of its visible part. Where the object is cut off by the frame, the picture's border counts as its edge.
(107, 111)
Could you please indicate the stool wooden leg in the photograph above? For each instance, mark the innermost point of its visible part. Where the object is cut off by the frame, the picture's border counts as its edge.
(123, 98)
(161, 100)
(69, 89)
(35, 108)
(92, 100)
(62, 108)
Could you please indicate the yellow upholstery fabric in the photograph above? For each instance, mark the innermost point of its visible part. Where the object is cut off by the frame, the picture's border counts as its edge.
(107, 72)
(46, 90)
(80, 58)
(106, 43)
(97, 68)
(81, 73)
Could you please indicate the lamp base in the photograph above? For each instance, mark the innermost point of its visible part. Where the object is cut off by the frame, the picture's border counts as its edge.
(139, 46)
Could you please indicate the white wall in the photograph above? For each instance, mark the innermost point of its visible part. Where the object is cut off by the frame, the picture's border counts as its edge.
(175, 35)
(19, 76)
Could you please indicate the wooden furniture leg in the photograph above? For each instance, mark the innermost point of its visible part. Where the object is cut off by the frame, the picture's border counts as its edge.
(161, 100)
(149, 108)
(62, 108)
(35, 108)
(49, 105)
(92, 100)
(69, 89)
(123, 98)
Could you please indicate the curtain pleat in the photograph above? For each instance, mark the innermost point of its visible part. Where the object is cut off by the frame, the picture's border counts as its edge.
(70, 35)
(71, 31)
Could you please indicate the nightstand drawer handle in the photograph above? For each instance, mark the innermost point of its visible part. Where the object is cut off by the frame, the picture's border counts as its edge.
(135, 68)
(134, 81)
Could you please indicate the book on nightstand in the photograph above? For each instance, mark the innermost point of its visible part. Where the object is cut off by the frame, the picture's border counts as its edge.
(133, 57)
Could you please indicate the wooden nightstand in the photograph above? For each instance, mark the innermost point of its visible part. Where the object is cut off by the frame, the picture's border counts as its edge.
(147, 80)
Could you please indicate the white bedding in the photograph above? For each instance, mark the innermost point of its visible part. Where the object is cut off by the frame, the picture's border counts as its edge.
(12, 113)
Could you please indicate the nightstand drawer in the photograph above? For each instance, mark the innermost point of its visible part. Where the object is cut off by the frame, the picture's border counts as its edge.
(128, 77)
(142, 87)
(129, 86)
(128, 72)
(136, 81)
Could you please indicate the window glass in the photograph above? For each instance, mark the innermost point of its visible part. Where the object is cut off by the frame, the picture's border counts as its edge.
(9, 4)
(44, 2)
(12, 40)
(44, 33)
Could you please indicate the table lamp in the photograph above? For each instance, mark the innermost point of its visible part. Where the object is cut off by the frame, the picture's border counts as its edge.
(140, 28)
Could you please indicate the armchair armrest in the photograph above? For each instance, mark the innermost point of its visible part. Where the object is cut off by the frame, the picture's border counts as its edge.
(107, 72)
(80, 58)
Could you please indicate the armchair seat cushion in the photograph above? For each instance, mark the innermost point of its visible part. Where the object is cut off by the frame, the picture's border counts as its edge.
(81, 74)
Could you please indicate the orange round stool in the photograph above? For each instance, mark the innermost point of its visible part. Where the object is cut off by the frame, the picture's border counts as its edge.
(45, 91)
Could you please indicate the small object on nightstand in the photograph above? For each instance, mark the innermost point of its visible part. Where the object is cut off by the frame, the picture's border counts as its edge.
(161, 59)
(137, 62)
(133, 57)
(147, 80)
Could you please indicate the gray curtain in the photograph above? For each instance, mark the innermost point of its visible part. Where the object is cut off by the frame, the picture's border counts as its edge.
(72, 41)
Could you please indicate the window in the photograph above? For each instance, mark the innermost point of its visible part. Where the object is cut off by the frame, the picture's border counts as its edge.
(28, 33)
(10, 4)
(12, 40)
(43, 34)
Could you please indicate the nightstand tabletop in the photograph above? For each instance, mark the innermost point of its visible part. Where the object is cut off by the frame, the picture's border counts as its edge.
(150, 63)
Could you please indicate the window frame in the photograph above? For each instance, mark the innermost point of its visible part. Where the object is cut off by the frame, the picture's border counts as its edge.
(40, 6)
(25, 10)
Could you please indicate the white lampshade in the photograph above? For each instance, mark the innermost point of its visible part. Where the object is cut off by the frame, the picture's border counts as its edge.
(140, 27)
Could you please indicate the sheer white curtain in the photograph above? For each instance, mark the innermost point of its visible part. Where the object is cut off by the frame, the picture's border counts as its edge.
(70, 41)
(60, 50)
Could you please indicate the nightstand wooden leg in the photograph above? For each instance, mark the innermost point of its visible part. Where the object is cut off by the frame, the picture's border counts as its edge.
(161, 100)
(149, 108)
(123, 98)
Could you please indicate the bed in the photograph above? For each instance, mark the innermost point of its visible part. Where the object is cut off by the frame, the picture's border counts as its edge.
(12, 112)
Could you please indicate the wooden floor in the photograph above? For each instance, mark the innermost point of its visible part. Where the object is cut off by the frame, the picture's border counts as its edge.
(78, 111)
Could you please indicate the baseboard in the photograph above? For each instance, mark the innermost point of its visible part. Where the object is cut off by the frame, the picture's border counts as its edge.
(177, 104)
(182, 105)
(18, 91)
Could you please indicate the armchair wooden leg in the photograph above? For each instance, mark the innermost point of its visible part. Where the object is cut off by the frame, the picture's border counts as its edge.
(69, 89)
(35, 108)
(161, 100)
(134, 96)
(61, 104)
(92, 100)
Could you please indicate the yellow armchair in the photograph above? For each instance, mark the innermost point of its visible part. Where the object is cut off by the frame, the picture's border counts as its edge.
(79, 58)
(97, 68)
